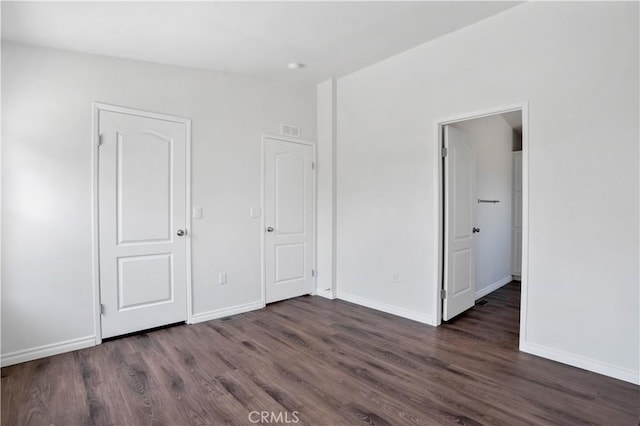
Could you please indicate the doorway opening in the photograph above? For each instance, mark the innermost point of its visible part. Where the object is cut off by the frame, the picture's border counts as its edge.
(482, 199)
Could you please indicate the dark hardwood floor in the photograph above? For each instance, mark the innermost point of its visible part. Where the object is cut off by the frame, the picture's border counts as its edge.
(320, 362)
(495, 318)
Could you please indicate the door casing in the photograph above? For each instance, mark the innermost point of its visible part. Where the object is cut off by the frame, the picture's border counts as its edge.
(97, 107)
(439, 206)
(263, 241)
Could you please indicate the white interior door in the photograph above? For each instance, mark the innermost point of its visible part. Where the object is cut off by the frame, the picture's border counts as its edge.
(460, 198)
(516, 231)
(288, 219)
(142, 222)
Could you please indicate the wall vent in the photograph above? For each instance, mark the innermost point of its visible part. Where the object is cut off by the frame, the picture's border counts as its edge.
(290, 130)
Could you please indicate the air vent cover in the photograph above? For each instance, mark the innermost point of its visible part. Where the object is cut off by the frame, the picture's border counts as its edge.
(290, 130)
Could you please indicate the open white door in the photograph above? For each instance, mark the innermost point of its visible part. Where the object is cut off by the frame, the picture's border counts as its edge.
(288, 219)
(459, 202)
(142, 222)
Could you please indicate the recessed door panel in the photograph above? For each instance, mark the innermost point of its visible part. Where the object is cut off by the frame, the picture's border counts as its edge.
(461, 262)
(144, 280)
(289, 262)
(288, 216)
(144, 170)
(290, 193)
(461, 189)
(142, 205)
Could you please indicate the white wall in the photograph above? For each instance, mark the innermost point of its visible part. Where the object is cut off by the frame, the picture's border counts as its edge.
(46, 166)
(491, 139)
(326, 115)
(577, 65)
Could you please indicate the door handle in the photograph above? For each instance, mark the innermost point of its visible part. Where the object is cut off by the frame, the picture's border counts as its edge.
(476, 230)
(181, 233)
(269, 229)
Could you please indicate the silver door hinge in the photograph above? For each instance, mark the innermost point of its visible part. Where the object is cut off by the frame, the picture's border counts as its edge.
(443, 152)
(102, 309)
(443, 294)
(313, 166)
(100, 139)
(313, 272)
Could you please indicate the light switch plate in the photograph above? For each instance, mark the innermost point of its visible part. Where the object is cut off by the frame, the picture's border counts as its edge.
(255, 212)
(197, 212)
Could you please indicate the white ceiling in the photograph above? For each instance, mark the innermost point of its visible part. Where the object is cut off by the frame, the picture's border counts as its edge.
(251, 38)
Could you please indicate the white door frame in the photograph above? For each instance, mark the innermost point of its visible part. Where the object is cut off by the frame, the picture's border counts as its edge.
(439, 205)
(263, 240)
(97, 107)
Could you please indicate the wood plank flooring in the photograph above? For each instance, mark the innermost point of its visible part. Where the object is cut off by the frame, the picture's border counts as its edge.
(319, 362)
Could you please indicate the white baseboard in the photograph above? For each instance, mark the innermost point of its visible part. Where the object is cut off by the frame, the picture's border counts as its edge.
(390, 309)
(327, 294)
(493, 287)
(47, 350)
(225, 312)
(85, 342)
(595, 366)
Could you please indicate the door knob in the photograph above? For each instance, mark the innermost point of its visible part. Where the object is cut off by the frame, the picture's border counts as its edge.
(269, 229)
(181, 232)
(476, 230)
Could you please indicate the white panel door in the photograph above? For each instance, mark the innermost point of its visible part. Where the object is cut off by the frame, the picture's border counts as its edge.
(142, 222)
(288, 219)
(516, 230)
(460, 198)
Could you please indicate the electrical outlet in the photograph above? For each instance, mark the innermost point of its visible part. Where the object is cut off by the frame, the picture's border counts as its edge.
(222, 278)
